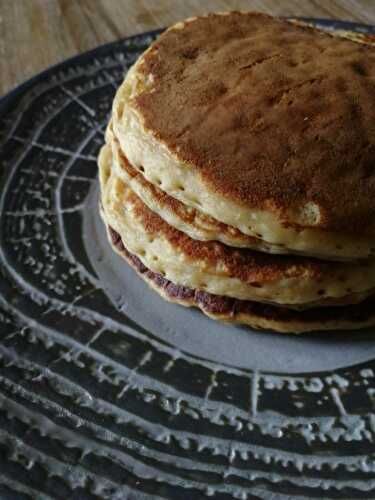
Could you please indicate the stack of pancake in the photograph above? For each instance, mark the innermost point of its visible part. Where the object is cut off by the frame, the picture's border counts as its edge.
(238, 174)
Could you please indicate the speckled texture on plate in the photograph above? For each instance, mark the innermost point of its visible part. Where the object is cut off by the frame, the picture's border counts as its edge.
(103, 397)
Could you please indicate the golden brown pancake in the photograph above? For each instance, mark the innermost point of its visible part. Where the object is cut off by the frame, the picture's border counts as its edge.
(291, 281)
(262, 124)
(254, 314)
(191, 221)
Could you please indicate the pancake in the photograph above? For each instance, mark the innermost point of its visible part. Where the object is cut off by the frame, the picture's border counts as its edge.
(189, 220)
(291, 281)
(254, 314)
(262, 124)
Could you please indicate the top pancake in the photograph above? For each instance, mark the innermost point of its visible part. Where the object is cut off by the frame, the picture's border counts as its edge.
(265, 125)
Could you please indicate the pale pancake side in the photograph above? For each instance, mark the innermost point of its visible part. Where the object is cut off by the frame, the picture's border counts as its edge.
(253, 314)
(240, 273)
(187, 219)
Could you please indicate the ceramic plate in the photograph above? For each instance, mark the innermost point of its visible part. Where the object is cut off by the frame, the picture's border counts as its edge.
(107, 391)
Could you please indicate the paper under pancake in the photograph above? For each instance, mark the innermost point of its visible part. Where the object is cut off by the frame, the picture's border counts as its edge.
(264, 125)
(253, 314)
(212, 266)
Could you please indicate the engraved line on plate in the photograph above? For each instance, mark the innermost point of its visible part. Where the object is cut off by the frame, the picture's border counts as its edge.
(169, 364)
(52, 149)
(69, 354)
(76, 477)
(213, 383)
(39, 91)
(40, 129)
(90, 315)
(143, 380)
(41, 212)
(145, 358)
(150, 383)
(221, 446)
(115, 83)
(78, 100)
(19, 487)
(60, 222)
(254, 393)
(103, 437)
(62, 433)
(81, 296)
(337, 400)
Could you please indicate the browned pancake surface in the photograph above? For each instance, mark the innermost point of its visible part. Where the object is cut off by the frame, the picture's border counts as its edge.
(271, 114)
(250, 266)
(187, 214)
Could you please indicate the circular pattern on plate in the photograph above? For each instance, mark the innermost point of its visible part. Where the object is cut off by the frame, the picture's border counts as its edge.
(93, 404)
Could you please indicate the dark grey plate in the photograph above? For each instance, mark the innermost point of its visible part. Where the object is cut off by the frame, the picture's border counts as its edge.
(106, 391)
